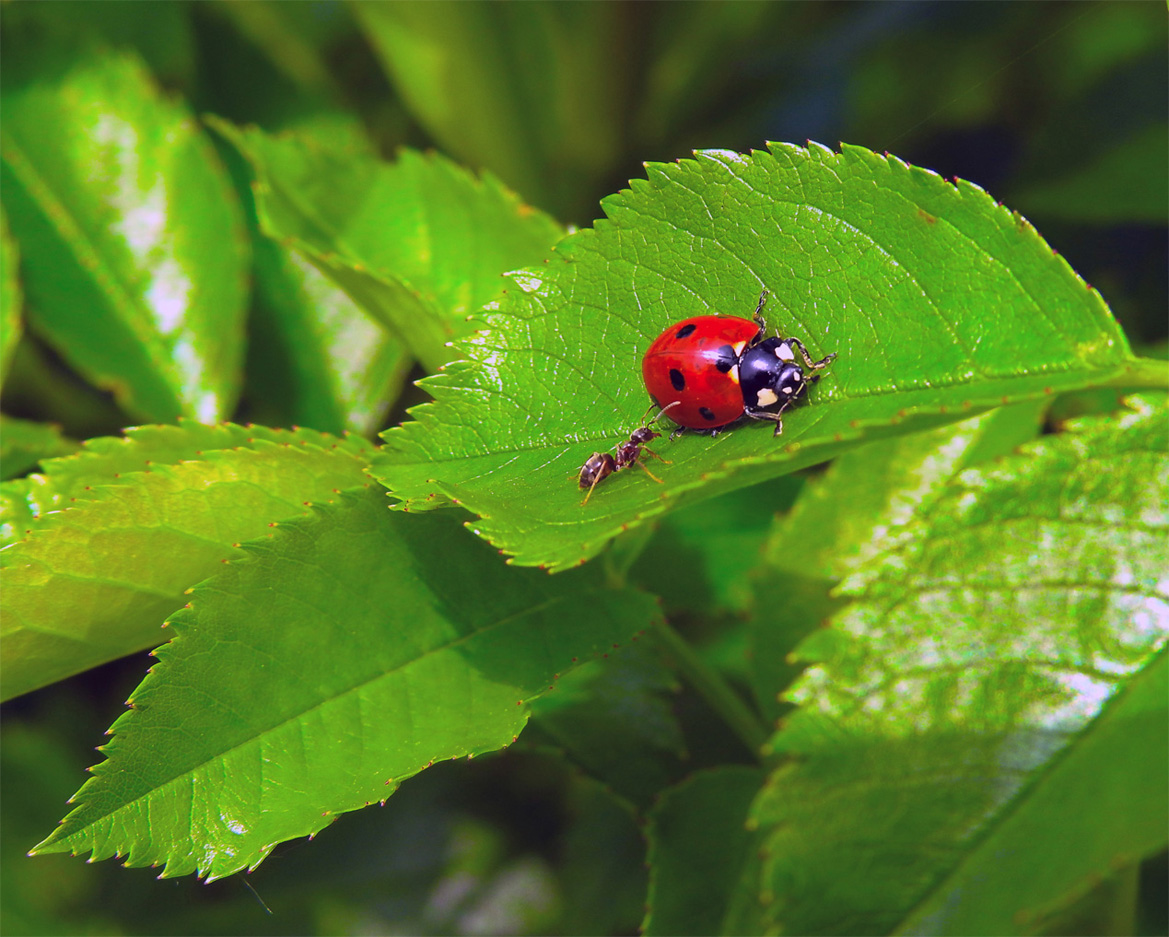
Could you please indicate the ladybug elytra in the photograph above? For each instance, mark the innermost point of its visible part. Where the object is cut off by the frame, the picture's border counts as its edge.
(712, 371)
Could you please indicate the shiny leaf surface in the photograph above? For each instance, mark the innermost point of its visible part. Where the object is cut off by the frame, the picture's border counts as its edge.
(129, 231)
(938, 302)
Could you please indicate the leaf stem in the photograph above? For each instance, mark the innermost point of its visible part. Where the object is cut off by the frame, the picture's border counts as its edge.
(1142, 373)
(713, 688)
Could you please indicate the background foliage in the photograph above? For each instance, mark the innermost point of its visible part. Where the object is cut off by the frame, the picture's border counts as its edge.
(292, 257)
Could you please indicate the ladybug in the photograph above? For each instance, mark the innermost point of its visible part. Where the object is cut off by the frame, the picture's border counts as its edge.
(600, 465)
(715, 370)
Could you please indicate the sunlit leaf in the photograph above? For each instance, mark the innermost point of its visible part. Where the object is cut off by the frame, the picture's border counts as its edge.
(419, 243)
(983, 731)
(129, 232)
(937, 301)
(97, 574)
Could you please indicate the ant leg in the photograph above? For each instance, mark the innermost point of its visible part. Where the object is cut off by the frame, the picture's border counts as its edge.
(649, 473)
(813, 365)
(647, 451)
(758, 316)
(596, 481)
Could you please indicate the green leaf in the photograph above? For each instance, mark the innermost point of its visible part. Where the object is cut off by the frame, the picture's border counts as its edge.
(1122, 185)
(528, 92)
(700, 559)
(848, 516)
(129, 233)
(614, 719)
(335, 661)
(997, 676)
(94, 579)
(345, 368)
(10, 297)
(418, 244)
(24, 443)
(938, 302)
(111, 460)
(698, 848)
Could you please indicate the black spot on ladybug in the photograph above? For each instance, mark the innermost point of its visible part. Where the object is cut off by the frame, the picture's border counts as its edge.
(727, 359)
(686, 330)
(677, 379)
(706, 414)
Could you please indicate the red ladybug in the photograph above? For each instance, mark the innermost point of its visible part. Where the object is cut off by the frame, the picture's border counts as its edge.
(712, 371)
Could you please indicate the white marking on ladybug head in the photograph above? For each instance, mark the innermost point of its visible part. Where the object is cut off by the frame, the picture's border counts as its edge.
(788, 389)
(765, 397)
(783, 351)
(733, 374)
(738, 347)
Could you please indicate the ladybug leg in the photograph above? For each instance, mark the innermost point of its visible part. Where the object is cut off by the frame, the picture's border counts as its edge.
(776, 418)
(758, 314)
(813, 365)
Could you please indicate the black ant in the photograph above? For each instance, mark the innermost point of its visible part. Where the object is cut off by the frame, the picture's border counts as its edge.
(600, 465)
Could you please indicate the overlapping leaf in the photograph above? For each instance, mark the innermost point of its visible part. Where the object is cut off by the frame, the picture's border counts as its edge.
(96, 574)
(345, 655)
(23, 443)
(938, 302)
(129, 231)
(10, 296)
(699, 848)
(983, 730)
(848, 516)
(419, 244)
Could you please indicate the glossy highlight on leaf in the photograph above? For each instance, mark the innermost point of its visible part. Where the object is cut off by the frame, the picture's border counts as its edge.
(130, 232)
(938, 302)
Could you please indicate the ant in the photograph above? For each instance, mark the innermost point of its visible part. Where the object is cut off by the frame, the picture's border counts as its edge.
(600, 465)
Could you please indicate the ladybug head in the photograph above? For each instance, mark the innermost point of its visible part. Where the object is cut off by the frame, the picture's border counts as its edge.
(770, 377)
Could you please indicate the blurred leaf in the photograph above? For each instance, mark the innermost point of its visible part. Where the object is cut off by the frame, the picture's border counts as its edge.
(603, 859)
(983, 731)
(290, 35)
(938, 301)
(95, 580)
(614, 719)
(160, 34)
(701, 557)
(24, 443)
(346, 368)
(346, 655)
(419, 244)
(10, 297)
(698, 844)
(111, 460)
(529, 92)
(129, 232)
(1126, 183)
